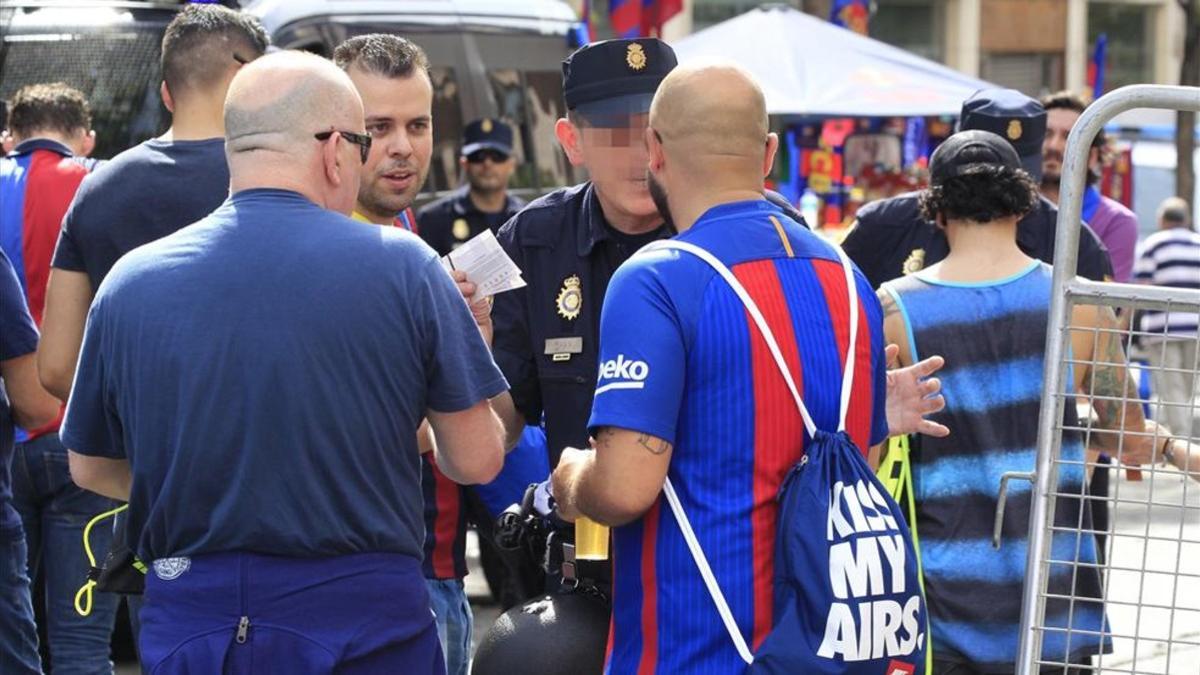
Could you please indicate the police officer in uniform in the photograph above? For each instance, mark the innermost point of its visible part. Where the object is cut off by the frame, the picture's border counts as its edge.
(890, 239)
(483, 203)
(569, 242)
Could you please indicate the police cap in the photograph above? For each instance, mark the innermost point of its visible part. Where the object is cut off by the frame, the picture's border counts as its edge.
(607, 81)
(968, 149)
(1013, 116)
(487, 134)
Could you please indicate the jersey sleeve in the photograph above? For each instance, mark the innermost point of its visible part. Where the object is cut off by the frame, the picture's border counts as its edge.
(460, 372)
(18, 336)
(511, 342)
(92, 426)
(642, 353)
(879, 425)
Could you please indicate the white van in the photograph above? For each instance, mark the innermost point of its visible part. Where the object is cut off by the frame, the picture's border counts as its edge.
(496, 58)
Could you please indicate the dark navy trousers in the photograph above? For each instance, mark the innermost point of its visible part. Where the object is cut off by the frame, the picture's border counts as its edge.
(248, 613)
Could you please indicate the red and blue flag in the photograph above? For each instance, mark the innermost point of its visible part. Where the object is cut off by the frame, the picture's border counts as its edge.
(641, 18)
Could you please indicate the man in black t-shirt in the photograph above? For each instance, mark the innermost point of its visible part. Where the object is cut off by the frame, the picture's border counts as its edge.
(155, 188)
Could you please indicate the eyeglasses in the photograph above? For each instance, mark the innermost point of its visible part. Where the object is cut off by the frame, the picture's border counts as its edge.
(479, 156)
(241, 61)
(363, 141)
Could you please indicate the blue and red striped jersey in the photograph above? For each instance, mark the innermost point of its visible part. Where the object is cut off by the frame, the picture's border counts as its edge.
(445, 523)
(681, 360)
(37, 182)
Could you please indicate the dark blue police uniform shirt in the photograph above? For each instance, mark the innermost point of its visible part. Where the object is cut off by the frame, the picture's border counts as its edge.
(264, 372)
(144, 193)
(18, 337)
(890, 239)
(439, 224)
(546, 334)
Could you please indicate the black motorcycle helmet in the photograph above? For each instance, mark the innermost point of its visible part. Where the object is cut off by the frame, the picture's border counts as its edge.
(562, 634)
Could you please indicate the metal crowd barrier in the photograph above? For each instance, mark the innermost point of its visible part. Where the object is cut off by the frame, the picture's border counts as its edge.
(1150, 563)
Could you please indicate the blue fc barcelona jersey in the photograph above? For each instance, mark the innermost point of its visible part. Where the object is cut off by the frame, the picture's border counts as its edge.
(681, 360)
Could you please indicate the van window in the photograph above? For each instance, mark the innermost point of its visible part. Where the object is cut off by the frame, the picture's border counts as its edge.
(544, 106)
(109, 54)
(447, 130)
(510, 102)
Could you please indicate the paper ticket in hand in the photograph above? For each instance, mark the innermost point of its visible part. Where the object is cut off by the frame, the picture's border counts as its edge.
(486, 265)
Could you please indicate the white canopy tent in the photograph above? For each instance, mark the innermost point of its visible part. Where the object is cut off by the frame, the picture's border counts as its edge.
(812, 68)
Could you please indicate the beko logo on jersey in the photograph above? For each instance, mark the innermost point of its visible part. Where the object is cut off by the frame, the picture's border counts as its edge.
(627, 373)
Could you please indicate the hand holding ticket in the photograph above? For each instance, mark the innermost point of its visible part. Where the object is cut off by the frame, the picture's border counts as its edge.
(486, 265)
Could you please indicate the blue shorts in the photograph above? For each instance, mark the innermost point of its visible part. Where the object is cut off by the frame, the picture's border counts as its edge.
(249, 613)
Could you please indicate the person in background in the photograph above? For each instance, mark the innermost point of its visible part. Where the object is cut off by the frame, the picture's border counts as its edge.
(484, 202)
(985, 308)
(1171, 257)
(51, 127)
(266, 432)
(1113, 223)
(890, 239)
(24, 402)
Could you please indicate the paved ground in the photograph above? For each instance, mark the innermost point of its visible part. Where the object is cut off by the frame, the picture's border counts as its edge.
(1160, 534)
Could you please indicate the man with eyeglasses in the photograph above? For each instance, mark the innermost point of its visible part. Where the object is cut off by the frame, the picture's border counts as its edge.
(150, 190)
(484, 202)
(254, 383)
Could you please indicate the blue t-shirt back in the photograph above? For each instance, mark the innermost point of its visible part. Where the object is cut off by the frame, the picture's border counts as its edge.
(143, 194)
(18, 337)
(265, 370)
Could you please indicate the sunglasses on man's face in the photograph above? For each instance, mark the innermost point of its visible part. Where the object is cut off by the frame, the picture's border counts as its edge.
(363, 141)
(479, 156)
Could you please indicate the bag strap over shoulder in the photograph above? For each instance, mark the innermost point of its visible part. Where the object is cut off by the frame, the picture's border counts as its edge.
(685, 525)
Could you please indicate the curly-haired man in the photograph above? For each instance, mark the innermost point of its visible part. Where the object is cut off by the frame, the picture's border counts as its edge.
(985, 308)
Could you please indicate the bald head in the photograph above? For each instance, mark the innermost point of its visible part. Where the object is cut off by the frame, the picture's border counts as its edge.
(276, 103)
(712, 110)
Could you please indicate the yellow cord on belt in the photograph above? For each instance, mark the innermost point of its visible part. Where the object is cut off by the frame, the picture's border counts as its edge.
(83, 599)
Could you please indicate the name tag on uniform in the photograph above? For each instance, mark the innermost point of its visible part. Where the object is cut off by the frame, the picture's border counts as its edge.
(561, 349)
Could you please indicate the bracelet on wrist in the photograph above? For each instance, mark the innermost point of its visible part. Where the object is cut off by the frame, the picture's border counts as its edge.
(1167, 453)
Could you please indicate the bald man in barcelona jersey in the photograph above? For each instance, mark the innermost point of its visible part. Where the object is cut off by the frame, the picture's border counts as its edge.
(687, 387)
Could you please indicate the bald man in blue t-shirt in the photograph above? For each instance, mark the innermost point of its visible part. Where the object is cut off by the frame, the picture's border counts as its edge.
(253, 384)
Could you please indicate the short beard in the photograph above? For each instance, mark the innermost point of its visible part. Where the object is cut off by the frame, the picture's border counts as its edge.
(659, 195)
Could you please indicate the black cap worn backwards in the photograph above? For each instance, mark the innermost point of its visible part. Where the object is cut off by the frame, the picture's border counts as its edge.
(610, 80)
(969, 149)
(1011, 115)
(487, 134)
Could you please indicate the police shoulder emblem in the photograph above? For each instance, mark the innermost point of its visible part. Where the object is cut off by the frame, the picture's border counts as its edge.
(486, 126)
(570, 298)
(1015, 130)
(915, 262)
(460, 229)
(635, 56)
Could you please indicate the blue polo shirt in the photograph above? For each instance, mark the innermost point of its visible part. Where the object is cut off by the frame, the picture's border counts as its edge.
(265, 370)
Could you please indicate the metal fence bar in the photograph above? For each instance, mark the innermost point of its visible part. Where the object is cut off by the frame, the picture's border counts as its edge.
(1066, 291)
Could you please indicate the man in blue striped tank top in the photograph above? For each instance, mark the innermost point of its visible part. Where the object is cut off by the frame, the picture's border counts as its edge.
(985, 308)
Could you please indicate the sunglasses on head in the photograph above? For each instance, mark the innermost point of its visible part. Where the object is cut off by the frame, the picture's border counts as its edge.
(363, 141)
(479, 156)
